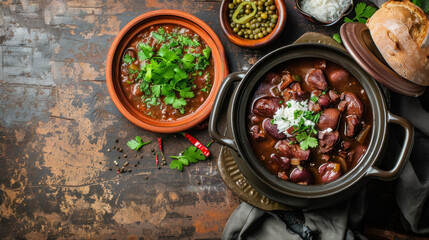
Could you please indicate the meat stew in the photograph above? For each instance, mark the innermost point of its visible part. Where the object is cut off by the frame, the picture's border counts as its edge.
(309, 121)
(167, 72)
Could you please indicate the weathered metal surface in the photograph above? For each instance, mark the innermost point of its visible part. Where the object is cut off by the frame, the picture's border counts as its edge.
(57, 122)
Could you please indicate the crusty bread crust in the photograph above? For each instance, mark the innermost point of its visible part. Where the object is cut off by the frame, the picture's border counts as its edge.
(400, 31)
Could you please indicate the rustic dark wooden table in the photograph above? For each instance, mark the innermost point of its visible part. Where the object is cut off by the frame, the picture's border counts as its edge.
(57, 123)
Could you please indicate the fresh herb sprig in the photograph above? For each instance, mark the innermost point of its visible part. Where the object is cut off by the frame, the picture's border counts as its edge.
(306, 140)
(137, 143)
(363, 12)
(191, 155)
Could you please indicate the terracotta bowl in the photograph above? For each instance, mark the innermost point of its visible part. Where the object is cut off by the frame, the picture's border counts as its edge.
(322, 23)
(128, 33)
(237, 40)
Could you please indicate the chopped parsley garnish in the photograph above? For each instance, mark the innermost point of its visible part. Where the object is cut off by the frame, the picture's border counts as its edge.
(137, 143)
(314, 99)
(302, 121)
(128, 60)
(166, 75)
(191, 155)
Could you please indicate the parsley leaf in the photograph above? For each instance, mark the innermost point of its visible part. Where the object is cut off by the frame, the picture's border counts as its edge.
(191, 155)
(188, 61)
(363, 12)
(158, 37)
(128, 60)
(179, 103)
(161, 31)
(206, 52)
(306, 140)
(337, 37)
(137, 143)
(314, 99)
(146, 51)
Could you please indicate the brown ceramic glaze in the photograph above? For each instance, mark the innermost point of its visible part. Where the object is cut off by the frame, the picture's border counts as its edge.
(322, 23)
(234, 38)
(127, 34)
(357, 39)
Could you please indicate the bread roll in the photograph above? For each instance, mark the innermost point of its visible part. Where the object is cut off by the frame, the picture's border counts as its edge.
(400, 30)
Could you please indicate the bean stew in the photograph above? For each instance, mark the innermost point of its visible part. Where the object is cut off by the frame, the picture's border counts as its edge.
(309, 121)
(167, 72)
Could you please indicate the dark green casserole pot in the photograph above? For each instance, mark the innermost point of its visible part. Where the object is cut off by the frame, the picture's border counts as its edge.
(312, 196)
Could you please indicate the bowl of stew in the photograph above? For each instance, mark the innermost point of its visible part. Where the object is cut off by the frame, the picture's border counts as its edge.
(164, 69)
(308, 125)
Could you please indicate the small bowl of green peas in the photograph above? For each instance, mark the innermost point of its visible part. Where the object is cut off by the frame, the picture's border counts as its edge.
(252, 23)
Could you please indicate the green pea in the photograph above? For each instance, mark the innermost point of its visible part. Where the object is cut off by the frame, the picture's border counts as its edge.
(273, 7)
(272, 25)
(231, 6)
(257, 25)
(264, 15)
(274, 16)
(264, 32)
(260, 3)
(236, 29)
(248, 25)
(247, 11)
(270, 2)
(248, 6)
(273, 20)
(239, 1)
(269, 29)
(251, 36)
(240, 33)
(260, 35)
(249, 31)
(257, 30)
(270, 12)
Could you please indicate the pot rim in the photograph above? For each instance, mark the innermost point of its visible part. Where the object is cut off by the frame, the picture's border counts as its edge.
(246, 87)
(127, 33)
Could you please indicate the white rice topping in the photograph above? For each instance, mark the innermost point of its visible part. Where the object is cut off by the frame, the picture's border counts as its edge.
(285, 117)
(325, 10)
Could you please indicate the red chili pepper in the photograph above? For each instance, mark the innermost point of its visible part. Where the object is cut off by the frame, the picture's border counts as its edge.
(197, 144)
(160, 143)
(156, 159)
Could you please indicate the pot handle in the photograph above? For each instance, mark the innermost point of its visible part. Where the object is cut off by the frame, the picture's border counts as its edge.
(217, 106)
(405, 151)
